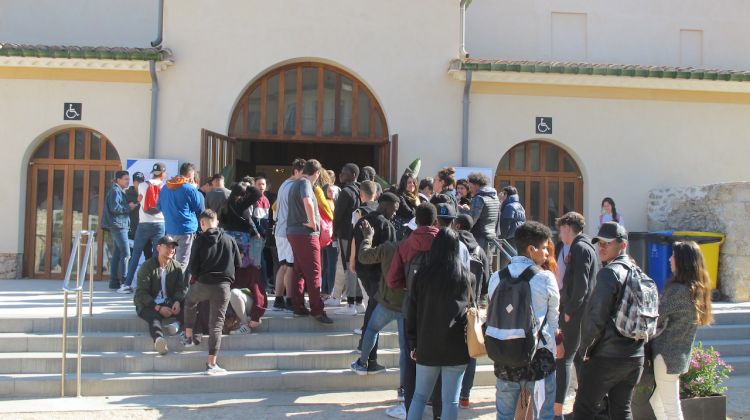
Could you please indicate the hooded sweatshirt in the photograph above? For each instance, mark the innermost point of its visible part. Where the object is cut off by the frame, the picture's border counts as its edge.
(479, 262)
(181, 204)
(419, 241)
(214, 257)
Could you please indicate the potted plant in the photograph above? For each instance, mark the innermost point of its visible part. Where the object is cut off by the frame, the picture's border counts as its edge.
(701, 391)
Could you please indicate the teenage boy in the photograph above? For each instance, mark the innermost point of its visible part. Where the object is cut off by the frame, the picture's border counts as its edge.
(283, 249)
(346, 203)
(161, 292)
(532, 239)
(213, 260)
(303, 231)
(116, 221)
(581, 266)
(151, 220)
(612, 363)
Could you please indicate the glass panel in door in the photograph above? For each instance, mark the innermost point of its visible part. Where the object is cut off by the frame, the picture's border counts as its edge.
(553, 202)
(58, 218)
(40, 231)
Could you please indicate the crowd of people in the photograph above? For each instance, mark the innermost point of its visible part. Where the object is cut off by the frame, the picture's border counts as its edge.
(421, 252)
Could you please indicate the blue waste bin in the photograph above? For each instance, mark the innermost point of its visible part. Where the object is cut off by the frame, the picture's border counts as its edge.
(659, 251)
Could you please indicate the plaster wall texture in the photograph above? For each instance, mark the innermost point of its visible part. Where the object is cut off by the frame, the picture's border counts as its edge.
(400, 50)
(721, 208)
(633, 32)
(31, 110)
(624, 148)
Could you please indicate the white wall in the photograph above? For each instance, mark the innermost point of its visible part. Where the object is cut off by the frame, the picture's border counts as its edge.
(624, 147)
(110, 23)
(33, 109)
(401, 50)
(631, 32)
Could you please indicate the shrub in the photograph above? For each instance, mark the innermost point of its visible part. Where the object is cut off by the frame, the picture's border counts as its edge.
(706, 372)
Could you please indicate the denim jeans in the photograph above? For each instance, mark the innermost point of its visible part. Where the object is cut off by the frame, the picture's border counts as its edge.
(380, 318)
(144, 233)
(506, 398)
(425, 382)
(468, 382)
(330, 258)
(120, 255)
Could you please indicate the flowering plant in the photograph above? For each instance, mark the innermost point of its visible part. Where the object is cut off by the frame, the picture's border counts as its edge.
(705, 374)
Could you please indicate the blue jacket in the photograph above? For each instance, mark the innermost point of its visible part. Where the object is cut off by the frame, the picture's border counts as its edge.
(181, 204)
(116, 212)
(512, 215)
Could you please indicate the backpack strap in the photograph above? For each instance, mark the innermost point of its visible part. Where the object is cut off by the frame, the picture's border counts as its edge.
(529, 273)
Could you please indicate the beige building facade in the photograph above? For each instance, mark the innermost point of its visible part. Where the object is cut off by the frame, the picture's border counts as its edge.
(625, 90)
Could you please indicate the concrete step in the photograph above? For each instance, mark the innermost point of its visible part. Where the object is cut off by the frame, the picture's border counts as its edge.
(124, 342)
(732, 317)
(98, 384)
(189, 361)
(729, 347)
(723, 332)
(740, 364)
(276, 322)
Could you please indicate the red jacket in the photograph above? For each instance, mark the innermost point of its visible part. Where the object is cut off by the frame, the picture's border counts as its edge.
(419, 241)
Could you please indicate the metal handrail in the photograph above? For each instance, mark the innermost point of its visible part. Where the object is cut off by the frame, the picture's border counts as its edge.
(88, 263)
(503, 246)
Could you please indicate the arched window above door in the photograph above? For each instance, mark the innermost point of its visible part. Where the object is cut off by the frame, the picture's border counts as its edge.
(548, 180)
(308, 101)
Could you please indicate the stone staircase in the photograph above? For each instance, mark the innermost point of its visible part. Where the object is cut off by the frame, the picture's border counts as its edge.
(118, 358)
(730, 335)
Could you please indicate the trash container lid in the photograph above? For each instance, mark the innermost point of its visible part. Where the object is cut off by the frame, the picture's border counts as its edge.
(699, 237)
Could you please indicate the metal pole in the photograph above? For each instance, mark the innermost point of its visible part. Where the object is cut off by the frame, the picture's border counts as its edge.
(64, 342)
(78, 274)
(91, 277)
(79, 304)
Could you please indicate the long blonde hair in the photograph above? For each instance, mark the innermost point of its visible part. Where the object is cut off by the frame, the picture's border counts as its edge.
(691, 271)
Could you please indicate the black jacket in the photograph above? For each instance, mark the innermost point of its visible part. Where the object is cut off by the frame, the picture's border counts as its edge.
(481, 271)
(232, 218)
(436, 321)
(580, 276)
(599, 336)
(347, 202)
(213, 257)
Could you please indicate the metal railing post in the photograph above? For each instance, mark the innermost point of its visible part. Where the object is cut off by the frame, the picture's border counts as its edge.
(64, 342)
(79, 304)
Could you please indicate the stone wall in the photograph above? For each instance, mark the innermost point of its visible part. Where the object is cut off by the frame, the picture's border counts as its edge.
(720, 208)
(8, 266)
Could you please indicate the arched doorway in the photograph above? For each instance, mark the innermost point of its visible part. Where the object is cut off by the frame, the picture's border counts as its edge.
(548, 180)
(69, 174)
(307, 110)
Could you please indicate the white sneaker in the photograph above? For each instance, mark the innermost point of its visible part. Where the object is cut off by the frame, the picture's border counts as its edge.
(243, 329)
(332, 302)
(398, 411)
(360, 308)
(213, 370)
(124, 290)
(358, 331)
(349, 310)
(160, 345)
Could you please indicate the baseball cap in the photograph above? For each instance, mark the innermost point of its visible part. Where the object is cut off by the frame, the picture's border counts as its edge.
(167, 240)
(158, 168)
(610, 231)
(465, 220)
(445, 211)
(138, 176)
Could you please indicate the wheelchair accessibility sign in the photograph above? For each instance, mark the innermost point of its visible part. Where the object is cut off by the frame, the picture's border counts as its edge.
(72, 111)
(543, 125)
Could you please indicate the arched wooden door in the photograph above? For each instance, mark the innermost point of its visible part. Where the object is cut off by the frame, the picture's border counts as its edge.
(69, 175)
(548, 180)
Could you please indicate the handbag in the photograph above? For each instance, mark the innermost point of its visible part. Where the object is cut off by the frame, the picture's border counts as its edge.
(474, 333)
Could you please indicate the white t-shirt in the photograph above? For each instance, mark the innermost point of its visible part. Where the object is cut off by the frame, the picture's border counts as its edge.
(144, 217)
(282, 207)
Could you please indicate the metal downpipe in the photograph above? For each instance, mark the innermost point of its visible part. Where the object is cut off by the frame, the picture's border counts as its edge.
(154, 104)
(465, 127)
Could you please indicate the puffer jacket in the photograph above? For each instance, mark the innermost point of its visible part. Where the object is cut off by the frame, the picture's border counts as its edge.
(512, 215)
(485, 210)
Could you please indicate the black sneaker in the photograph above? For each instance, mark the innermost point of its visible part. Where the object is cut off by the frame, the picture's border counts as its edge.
(301, 314)
(323, 319)
(288, 305)
(373, 368)
(278, 304)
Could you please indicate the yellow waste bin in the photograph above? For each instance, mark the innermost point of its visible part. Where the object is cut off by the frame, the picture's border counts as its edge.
(710, 243)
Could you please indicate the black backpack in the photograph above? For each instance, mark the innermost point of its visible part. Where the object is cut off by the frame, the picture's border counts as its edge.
(512, 333)
(411, 269)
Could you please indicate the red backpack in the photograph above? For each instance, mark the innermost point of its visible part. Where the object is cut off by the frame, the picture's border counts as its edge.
(151, 198)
